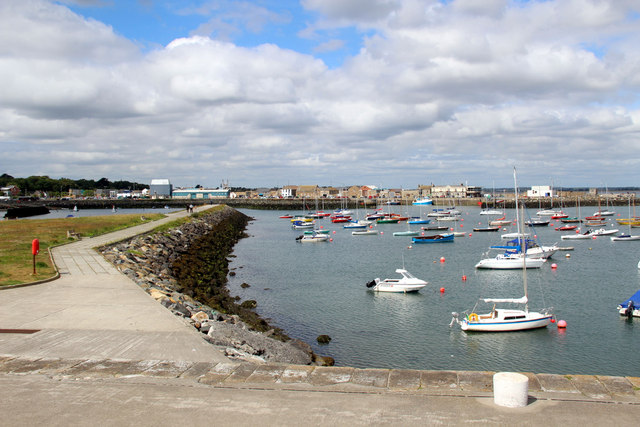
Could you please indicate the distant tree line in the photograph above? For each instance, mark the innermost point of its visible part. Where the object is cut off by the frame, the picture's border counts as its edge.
(49, 185)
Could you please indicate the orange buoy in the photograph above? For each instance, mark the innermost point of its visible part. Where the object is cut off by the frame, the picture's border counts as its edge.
(562, 324)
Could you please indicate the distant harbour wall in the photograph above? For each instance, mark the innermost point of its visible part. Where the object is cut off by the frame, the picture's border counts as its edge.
(311, 205)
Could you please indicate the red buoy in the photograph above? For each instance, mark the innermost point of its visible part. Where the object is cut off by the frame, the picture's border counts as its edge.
(464, 278)
(442, 259)
(562, 324)
(442, 290)
(554, 266)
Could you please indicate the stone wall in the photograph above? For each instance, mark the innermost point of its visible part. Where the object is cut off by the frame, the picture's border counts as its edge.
(185, 269)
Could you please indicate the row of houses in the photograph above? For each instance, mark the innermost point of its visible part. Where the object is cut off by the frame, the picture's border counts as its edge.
(161, 188)
(363, 192)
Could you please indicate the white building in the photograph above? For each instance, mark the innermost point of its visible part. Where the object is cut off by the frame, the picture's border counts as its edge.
(541, 191)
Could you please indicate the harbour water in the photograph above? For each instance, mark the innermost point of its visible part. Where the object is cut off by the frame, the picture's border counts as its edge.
(314, 289)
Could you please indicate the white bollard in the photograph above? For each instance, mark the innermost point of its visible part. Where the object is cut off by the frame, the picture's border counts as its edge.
(510, 389)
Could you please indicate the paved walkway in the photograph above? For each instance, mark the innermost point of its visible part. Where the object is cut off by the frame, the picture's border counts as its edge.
(94, 348)
(93, 311)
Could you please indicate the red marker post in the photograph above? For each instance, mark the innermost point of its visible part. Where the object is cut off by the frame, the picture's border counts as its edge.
(35, 248)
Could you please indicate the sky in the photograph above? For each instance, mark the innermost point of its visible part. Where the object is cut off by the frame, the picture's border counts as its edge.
(266, 93)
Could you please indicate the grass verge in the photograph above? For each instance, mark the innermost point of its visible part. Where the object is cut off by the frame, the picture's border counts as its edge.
(16, 261)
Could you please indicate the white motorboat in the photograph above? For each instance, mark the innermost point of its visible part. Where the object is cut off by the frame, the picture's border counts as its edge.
(491, 212)
(604, 231)
(506, 319)
(578, 236)
(423, 201)
(408, 283)
(549, 212)
(313, 238)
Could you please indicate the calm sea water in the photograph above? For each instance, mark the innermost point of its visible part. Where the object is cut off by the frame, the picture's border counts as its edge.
(313, 289)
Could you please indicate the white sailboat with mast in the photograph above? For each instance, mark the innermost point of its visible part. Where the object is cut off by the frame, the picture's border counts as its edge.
(506, 319)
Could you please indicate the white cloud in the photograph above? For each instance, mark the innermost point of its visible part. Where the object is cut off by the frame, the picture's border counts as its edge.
(438, 92)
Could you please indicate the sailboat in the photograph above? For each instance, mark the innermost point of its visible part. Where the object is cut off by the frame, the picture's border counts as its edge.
(515, 256)
(605, 212)
(494, 210)
(625, 237)
(506, 319)
(578, 236)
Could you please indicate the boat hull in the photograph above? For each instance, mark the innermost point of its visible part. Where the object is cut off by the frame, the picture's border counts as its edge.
(507, 263)
(406, 233)
(500, 325)
(624, 238)
(439, 238)
(399, 289)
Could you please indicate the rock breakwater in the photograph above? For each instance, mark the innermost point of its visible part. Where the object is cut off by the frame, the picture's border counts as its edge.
(185, 268)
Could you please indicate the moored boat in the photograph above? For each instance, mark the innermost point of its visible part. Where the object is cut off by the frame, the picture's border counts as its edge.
(631, 306)
(437, 238)
(364, 232)
(423, 201)
(314, 238)
(408, 283)
(506, 319)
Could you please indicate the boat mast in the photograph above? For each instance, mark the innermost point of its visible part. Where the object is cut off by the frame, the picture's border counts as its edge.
(522, 241)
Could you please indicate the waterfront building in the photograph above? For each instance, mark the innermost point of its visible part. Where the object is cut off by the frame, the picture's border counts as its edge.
(200, 193)
(289, 191)
(540, 191)
(160, 188)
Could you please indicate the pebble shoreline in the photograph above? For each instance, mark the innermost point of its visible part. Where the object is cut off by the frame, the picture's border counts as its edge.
(147, 259)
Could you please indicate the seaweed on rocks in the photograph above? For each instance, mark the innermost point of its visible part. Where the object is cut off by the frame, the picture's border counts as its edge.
(202, 269)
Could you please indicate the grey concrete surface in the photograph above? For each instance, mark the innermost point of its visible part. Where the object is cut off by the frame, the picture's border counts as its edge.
(93, 348)
(93, 310)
